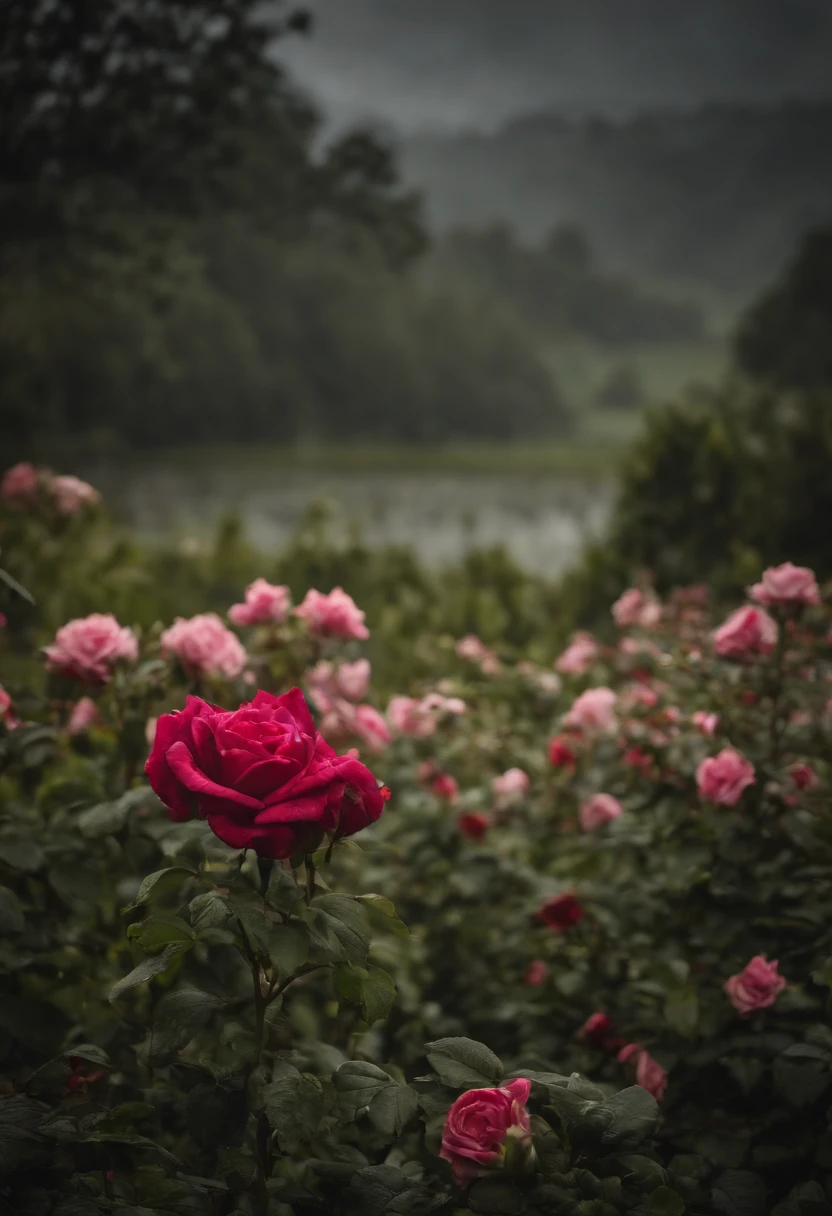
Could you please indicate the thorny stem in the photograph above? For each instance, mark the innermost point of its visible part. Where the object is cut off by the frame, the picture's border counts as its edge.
(310, 880)
(776, 723)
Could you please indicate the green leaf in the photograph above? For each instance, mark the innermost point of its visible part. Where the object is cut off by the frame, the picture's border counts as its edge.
(208, 911)
(665, 1202)
(156, 932)
(800, 1084)
(12, 919)
(161, 883)
(146, 971)
(22, 854)
(463, 1063)
(357, 1082)
(294, 1105)
(378, 995)
(282, 892)
(177, 1019)
(342, 917)
(393, 1108)
(103, 820)
(370, 987)
(89, 1052)
(288, 948)
(681, 1011)
(635, 1114)
(383, 915)
(739, 1193)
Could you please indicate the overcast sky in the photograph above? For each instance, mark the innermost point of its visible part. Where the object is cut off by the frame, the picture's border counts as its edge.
(450, 63)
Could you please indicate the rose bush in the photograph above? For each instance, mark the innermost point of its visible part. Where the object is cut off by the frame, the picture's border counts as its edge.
(208, 1003)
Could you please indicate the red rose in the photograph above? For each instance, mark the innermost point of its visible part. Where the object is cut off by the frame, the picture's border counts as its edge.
(596, 1030)
(262, 775)
(561, 754)
(561, 912)
(473, 824)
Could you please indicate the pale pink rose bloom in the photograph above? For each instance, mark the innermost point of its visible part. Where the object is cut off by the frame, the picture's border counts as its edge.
(7, 714)
(335, 615)
(594, 710)
(598, 810)
(371, 728)
(84, 715)
(204, 647)
(408, 716)
(471, 648)
(757, 986)
(706, 722)
(722, 779)
(627, 608)
(20, 482)
(651, 614)
(513, 784)
(150, 731)
(636, 647)
(639, 696)
(579, 655)
(71, 494)
(88, 648)
(348, 681)
(746, 632)
(786, 584)
(265, 604)
(436, 703)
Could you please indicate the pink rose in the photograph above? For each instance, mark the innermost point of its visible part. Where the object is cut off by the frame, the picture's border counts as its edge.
(707, 723)
(536, 973)
(265, 604)
(722, 779)
(371, 728)
(20, 483)
(7, 714)
(649, 1073)
(71, 494)
(473, 825)
(262, 775)
(579, 655)
(747, 632)
(598, 810)
(785, 585)
(756, 987)
(596, 1030)
(445, 786)
(84, 715)
(635, 608)
(204, 647)
(437, 703)
(561, 912)
(474, 650)
(88, 648)
(478, 1125)
(635, 757)
(594, 710)
(408, 716)
(349, 681)
(513, 784)
(332, 616)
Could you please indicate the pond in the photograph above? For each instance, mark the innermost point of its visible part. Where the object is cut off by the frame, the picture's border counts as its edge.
(542, 518)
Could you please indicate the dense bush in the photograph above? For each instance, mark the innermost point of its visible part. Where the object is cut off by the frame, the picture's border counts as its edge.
(601, 866)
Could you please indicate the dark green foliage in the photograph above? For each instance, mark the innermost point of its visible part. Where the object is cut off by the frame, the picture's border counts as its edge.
(558, 292)
(785, 338)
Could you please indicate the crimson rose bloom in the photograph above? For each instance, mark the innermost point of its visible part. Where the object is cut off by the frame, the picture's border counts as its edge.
(561, 912)
(478, 1125)
(262, 775)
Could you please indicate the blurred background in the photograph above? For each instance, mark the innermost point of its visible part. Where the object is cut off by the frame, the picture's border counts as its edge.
(542, 276)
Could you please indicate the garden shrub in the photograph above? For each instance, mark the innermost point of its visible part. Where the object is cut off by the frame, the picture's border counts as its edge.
(579, 962)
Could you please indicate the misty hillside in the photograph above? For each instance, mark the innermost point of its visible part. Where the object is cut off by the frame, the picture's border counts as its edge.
(716, 196)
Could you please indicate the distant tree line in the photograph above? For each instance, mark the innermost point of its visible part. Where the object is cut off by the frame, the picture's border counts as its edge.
(182, 258)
